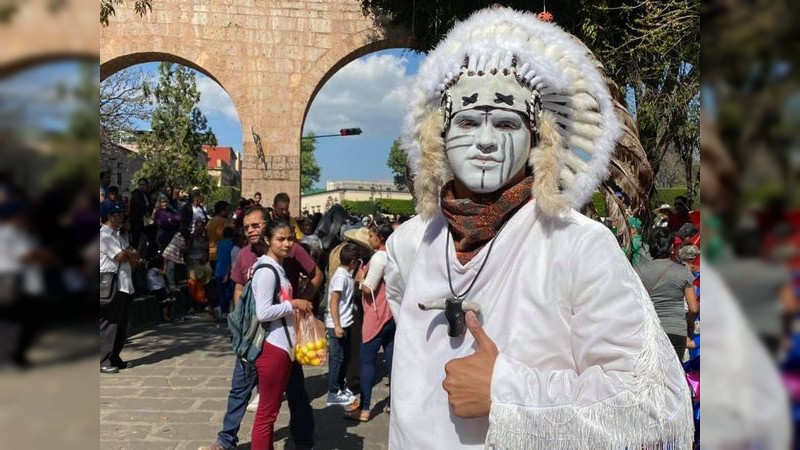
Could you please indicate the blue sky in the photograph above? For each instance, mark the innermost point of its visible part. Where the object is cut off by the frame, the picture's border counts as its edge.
(368, 93)
(33, 99)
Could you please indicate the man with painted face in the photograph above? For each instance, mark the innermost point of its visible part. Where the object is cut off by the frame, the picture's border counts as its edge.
(511, 127)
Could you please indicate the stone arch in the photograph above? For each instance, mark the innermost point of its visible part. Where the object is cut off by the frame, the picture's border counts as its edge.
(37, 33)
(331, 69)
(122, 62)
(271, 59)
(32, 61)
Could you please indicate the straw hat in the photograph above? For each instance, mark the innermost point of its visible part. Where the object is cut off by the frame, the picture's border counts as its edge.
(360, 236)
(664, 206)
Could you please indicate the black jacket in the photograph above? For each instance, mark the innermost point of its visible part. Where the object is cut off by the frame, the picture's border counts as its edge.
(140, 205)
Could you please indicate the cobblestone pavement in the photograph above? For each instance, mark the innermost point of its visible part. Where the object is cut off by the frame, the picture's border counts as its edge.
(174, 393)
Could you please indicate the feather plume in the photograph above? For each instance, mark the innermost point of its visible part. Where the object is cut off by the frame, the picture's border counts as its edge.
(434, 171)
(629, 173)
(546, 165)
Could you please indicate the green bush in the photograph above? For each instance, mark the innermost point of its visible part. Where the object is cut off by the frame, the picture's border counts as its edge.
(361, 208)
(664, 195)
(229, 194)
(667, 195)
(387, 206)
(397, 206)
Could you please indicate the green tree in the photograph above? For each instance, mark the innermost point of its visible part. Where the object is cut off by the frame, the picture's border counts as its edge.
(140, 7)
(172, 149)
(309, 170)
(397, 164)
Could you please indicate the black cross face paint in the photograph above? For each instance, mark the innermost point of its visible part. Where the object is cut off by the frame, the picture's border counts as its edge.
(484, 147)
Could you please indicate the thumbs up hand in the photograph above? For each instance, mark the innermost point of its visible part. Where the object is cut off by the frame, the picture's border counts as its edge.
(468, 380)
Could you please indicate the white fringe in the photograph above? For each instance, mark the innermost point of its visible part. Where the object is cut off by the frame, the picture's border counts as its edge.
(600, 426)
(636, 418)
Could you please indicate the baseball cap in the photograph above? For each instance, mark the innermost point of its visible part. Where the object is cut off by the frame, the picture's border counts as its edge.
(108, 208)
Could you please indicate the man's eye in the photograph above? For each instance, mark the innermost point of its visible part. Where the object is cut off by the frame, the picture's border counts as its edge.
(466, 123)
(507, 125)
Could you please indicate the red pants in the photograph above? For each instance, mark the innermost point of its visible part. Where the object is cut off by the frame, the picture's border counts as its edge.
(274, 367)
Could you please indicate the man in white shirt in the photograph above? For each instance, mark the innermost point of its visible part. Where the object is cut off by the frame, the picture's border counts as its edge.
(116, 256)
(511, 127)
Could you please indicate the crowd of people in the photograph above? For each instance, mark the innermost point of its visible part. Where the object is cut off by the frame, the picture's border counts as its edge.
(159, 241)
(166, 241)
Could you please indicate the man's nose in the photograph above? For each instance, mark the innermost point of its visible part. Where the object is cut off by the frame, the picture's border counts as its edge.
(487, 140)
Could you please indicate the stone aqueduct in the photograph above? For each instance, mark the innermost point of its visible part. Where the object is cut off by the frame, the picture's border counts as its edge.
(271, 57)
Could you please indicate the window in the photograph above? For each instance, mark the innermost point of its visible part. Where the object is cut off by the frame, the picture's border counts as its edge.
(119, 179)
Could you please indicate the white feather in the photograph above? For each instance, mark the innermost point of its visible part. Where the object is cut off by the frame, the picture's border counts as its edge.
(549, 59)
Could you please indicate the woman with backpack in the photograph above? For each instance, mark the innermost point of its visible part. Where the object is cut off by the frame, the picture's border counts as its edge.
(277, 315)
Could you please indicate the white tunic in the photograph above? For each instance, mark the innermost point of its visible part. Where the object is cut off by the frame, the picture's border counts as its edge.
(583, 361)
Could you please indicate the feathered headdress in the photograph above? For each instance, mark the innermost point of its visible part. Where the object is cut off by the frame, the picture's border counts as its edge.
(567, 101)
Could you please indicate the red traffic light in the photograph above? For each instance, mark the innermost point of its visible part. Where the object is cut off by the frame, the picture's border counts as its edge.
(350, 131)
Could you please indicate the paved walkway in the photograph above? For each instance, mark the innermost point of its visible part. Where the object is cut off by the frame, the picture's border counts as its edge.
(174, 396)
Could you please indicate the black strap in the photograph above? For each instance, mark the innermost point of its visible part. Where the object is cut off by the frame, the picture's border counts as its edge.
(276, 297)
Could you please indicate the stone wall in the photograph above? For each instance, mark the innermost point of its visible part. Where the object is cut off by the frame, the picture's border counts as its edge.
(271, 58)
(122, 163)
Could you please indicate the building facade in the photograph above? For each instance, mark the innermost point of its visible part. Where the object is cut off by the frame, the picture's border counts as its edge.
(359, 191)
(123, 161)
(223, 165)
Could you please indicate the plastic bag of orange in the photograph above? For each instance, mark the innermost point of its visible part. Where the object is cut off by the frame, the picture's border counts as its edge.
(197, 291)
(311, 346)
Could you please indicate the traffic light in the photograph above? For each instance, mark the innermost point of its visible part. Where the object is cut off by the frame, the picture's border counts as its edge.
(350, 131)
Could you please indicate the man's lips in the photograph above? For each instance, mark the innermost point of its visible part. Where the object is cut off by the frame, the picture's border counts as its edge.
(485, 159)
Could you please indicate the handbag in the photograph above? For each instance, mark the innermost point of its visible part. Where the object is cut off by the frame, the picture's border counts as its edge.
(109, 285)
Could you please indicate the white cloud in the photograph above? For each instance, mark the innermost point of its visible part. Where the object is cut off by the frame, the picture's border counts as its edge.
(369, 93)
(214, 99)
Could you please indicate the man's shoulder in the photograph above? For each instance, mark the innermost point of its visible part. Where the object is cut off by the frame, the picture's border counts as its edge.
(299, 254)
(246, 255)
(409, 232)
(578, 227)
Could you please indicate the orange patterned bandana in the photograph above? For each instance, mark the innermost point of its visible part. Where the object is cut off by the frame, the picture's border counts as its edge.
(475, 222)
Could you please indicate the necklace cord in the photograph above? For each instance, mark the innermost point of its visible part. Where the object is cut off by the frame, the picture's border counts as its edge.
(483, 264)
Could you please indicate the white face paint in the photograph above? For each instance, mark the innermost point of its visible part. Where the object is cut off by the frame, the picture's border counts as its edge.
(486, 148)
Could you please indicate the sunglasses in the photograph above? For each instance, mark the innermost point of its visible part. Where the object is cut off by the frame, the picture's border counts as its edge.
(253, 226)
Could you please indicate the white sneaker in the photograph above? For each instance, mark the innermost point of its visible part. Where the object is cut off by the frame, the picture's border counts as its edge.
(339, 398)
(349, 393)
(253, 405)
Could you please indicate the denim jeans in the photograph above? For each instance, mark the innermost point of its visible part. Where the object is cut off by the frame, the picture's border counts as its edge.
(224, 294)
(369, 356)
(337, 360)
(244, 379)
